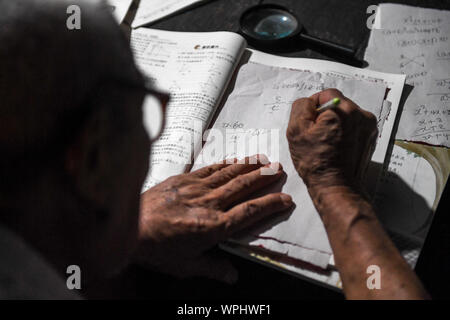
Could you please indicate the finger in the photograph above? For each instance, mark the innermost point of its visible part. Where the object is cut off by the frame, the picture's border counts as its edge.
(346, 106)
(211, 169)
(327, 123)
(347, 111)
(243, 166)
(349, 116)
(243, 186)
(325, 96)
(250, 212)
(303, 114)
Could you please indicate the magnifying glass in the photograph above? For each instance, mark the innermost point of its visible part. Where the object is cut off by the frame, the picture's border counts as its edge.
(271, 25)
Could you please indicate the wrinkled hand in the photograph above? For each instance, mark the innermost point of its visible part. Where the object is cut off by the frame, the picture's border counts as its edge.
(331, 148)
(186, 215)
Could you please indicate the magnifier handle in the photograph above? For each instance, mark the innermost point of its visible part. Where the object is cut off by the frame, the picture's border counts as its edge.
(347, 51)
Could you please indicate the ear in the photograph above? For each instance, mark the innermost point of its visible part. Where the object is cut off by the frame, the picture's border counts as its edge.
(89, 160)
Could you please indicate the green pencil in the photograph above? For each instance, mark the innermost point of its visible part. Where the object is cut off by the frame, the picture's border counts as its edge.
(328, 105)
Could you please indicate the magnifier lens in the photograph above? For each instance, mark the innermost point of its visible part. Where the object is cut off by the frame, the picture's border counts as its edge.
(269, 24)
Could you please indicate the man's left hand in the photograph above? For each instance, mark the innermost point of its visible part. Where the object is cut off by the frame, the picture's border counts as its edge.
(185, 216)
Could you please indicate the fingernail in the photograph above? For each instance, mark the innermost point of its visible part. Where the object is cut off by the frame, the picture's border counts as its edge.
(263, 159)
(287, 199)
(253, 159)
(274, 166)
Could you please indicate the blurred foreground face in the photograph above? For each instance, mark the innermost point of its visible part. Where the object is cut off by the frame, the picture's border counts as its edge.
(71, 134)
(127, 156)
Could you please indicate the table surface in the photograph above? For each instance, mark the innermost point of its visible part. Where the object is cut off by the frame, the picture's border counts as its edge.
(319, 18)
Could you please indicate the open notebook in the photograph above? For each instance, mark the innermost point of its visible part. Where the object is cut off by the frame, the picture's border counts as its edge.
(245, 95)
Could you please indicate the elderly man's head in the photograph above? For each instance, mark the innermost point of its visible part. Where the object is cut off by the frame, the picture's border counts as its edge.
(73, 147)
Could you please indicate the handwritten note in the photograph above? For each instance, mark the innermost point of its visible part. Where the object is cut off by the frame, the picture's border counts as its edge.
(416, 42)
(152, 10)
(257, 111)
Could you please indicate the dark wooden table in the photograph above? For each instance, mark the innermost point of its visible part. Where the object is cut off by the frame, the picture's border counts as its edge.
(336, 20)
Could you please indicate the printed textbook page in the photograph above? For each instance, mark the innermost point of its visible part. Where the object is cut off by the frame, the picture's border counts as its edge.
(196, 69)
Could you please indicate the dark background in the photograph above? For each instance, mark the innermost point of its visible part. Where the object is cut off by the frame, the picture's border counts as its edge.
(342, 22)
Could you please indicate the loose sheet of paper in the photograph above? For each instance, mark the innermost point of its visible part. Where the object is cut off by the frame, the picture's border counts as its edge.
(394, 82)
(254, 120)
(415, 42)
(152, 10)
(119, 8)
(195, 68)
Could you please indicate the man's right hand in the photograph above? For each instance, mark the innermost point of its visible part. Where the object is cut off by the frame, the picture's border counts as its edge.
(330, 151)
(331, 148)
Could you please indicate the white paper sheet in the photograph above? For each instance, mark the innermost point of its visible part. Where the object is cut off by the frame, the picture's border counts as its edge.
(394, 82)
(152, 10)
(119, 8)
(195, 69)
(415, 41)
(260, 105)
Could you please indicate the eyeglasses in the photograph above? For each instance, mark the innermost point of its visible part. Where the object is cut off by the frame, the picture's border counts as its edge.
(154, 108)
(154, 112)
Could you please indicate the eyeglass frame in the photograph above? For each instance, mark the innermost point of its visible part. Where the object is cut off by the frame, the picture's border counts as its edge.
(50, 151)
(163, 98)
